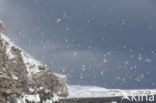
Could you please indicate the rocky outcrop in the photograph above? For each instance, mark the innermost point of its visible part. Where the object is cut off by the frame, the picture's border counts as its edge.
(24, 79)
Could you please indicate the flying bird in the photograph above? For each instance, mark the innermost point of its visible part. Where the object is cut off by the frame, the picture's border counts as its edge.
(2, 27)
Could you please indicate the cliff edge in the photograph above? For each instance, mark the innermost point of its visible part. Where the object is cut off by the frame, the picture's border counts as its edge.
(23, 79)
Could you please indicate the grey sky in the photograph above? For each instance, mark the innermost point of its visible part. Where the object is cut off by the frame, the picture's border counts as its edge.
(109, 43)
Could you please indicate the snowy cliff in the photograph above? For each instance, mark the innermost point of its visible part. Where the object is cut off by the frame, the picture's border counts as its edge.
(23, 79)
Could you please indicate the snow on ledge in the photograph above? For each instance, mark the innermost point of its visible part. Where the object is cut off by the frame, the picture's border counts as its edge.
(77, 91)
(60, 75)
(31, 98)
(35, 98)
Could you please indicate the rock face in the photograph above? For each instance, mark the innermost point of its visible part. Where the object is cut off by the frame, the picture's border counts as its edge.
(24, 79)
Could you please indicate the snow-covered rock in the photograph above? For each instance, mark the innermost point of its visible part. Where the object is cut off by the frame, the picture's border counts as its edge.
(23, 79)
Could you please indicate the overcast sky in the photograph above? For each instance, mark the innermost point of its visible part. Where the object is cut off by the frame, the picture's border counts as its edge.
(109, 43)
